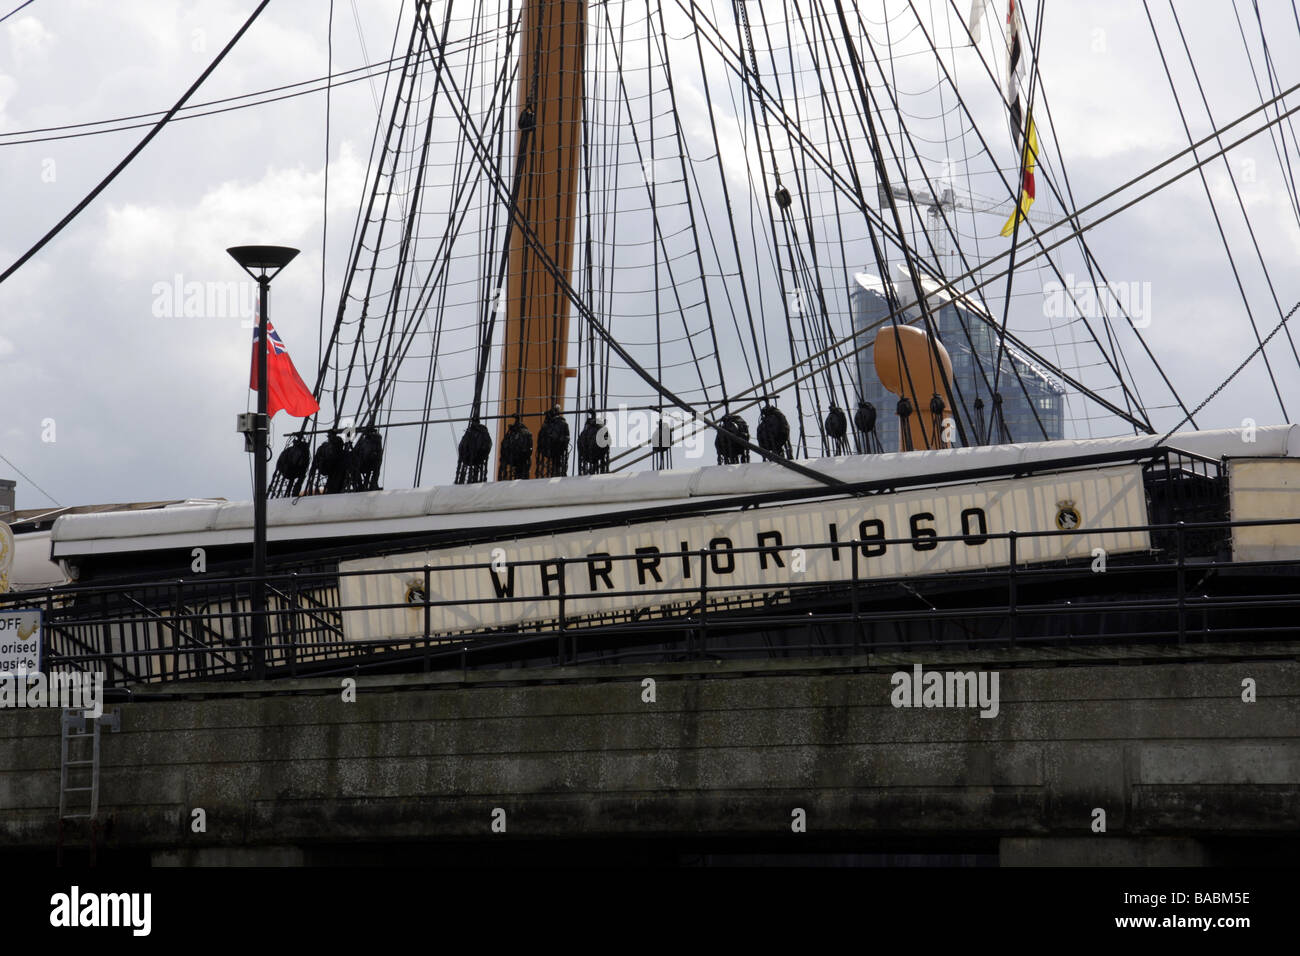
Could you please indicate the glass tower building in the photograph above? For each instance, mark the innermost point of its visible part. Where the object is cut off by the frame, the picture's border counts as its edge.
(1033, 401)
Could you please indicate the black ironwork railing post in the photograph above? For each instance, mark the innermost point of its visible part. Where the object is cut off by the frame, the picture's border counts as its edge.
(237, 630)
(704, 604)
(428, 611)
(1011, 588)
(176, 631)
(560, 602)
(107, 630)
(857, 627)
(1182, 586)
(46, 624)
(291, 651)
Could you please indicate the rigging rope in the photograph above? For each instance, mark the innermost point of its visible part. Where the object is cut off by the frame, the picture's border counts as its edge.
(139, 147)
(18, 9)
(495, 180)
(1237, 371)
(1135, 408)
(1218, 222)
(819, 348)
(1236, 190)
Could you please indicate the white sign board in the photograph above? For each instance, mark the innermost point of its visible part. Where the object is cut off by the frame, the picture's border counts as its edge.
(20, 642)
(1265, 489)
(525, 583)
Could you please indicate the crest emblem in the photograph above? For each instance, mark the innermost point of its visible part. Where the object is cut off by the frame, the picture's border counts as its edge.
(1067, 515)
(415, 593)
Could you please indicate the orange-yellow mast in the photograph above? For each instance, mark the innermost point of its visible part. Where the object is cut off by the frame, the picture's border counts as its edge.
(533, 367)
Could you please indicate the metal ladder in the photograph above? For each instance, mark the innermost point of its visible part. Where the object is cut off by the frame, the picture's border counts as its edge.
(74, 760)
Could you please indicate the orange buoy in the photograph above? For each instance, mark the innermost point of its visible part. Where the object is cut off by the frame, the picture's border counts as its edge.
(905, 363)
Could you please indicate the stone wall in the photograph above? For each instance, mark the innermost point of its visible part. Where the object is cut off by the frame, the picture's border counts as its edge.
(1168, 749)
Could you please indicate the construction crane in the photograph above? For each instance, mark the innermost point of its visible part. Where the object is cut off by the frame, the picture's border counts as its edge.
(949, 200)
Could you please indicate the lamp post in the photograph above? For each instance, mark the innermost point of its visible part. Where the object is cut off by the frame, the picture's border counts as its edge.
(263, 263)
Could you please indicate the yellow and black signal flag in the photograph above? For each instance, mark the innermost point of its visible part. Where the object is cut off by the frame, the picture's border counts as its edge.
(1028, 159)
(1026, 138)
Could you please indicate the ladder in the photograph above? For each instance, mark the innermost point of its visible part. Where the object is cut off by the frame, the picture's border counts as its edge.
(79, 772)
(79, 763)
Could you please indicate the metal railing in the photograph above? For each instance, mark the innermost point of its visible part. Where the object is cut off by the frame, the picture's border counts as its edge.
(199, 628)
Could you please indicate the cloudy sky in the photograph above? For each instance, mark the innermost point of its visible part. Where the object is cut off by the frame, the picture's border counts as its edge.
(111, 393)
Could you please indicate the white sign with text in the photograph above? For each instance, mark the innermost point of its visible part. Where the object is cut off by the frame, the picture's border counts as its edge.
(20, 642)
(519, 581)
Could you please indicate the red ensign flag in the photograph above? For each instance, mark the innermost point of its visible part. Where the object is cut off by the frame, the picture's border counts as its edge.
(284, 387)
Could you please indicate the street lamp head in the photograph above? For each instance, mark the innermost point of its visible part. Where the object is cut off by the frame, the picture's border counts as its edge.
(257, 261)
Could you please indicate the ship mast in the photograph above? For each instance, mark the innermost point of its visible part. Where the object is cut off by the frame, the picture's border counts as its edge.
(533, 365)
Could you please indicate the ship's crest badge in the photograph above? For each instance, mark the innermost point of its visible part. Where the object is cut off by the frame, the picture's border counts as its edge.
(1067, 515)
